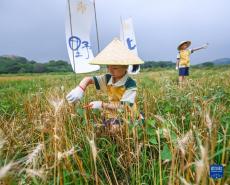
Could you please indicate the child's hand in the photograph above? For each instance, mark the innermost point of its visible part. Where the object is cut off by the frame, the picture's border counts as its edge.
(205, 46)
(94, 105)
(176, 67)
(75, 95)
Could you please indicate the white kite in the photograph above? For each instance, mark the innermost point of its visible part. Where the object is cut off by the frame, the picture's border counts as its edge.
(79, 18)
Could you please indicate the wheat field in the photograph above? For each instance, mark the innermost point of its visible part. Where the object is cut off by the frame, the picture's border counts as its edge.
(45, 140)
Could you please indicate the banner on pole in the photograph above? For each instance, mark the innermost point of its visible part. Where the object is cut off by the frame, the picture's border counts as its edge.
(78, 25)
(127, 36)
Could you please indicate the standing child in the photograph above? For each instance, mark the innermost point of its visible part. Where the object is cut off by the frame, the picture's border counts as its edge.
(119, 87)
(183, 59)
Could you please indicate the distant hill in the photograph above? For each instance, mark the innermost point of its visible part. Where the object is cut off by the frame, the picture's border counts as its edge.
(222, 61)
(170, 64)
(215, 63)
(157, 64)
(17, 64)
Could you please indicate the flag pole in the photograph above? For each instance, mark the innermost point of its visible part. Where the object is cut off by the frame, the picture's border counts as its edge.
(95, 16)
(123, 35)
(71, 30)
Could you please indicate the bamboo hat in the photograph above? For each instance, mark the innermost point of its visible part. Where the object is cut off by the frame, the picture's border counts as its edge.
(115, 53)
(184, 42)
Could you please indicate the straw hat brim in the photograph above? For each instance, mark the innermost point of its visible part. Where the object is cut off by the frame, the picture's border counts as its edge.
(115, 53)
(184, 42)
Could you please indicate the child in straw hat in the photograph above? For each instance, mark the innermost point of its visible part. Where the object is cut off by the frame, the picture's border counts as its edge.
(183, 58)
(120, 88)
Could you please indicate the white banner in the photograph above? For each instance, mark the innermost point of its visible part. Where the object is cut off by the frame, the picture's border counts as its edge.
(127, 36)
(79, 18)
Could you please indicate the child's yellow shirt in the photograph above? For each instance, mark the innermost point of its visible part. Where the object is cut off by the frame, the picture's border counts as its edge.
(123, 91)
(184, 58)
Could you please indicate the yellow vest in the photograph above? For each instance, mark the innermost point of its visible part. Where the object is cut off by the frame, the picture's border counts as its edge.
(115, 94)
(184, 58)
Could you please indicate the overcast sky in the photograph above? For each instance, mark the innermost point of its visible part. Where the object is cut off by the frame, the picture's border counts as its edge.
(35, 29)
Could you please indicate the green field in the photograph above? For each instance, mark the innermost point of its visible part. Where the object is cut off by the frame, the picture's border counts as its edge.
(45, 140)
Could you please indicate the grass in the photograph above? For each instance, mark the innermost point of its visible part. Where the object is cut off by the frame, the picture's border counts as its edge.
(44, 140)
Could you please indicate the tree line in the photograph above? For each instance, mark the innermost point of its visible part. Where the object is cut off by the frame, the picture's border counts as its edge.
(22, 65)
(15, 64)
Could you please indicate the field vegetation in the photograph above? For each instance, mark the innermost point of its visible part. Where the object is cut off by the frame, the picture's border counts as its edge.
(45, 140)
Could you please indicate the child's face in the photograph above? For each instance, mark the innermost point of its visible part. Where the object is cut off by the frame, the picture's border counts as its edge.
(184, 46)
(117, 71)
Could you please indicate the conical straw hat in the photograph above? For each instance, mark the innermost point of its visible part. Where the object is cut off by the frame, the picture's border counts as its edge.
(115, 53)
(183, 42)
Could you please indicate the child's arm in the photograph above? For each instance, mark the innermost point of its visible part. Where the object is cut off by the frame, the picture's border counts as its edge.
(78, 92)
(199, 48)
(112, 106)
(177, 63)
(177, 60)
(86, 81)
(128, 97)
(102, 105)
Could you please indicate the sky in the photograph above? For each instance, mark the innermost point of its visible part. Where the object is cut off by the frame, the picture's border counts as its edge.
(35, 29)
